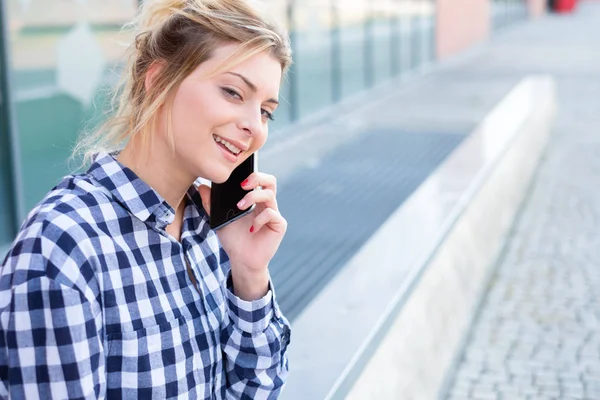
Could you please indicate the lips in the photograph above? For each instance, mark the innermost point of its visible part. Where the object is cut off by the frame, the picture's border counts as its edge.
(231, 145)
(227, 154)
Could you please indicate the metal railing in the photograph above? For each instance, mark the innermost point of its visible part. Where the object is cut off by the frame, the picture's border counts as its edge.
(505, 13)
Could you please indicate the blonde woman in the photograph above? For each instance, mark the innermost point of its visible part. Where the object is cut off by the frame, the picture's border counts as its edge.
(116, 286)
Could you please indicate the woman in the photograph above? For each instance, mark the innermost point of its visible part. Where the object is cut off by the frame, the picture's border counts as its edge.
(116, 286)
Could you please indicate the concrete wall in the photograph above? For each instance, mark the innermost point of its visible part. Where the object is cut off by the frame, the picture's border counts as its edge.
(536, 7)
(494, 165)
(461, 24)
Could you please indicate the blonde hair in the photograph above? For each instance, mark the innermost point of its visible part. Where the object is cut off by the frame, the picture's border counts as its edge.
(182, 34)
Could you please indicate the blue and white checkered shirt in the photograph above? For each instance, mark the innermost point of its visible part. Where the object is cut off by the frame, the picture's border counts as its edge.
(96, 301)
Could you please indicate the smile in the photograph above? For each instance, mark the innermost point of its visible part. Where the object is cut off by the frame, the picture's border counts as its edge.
(229, 146)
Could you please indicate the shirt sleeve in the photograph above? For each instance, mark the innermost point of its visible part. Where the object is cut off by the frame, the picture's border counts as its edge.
(50, 345)
(255, 345)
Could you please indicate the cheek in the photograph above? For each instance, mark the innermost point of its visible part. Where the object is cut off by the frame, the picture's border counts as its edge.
(184, 104)
(196, 112)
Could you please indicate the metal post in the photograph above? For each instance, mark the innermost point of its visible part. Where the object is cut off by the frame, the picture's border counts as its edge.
(369, 54)
(434, 32)
(423, 29)
(395, 43)
(336, 61)
(293, 78)
(7, 119)
(415, 39)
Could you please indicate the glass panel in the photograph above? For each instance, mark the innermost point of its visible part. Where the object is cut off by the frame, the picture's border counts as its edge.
(522, 10)
(352, 16)
(278, 11)
(7, 207)
(404, 15)
(510, 18)
(61, 52)
(428, 9)
(495, 14)
(283, 113)
(382, 39)
(313, 67)
(395, 50)
(6, 199)
(507, 12)
(416, 35)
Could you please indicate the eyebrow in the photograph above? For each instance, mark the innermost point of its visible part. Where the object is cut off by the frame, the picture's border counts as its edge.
(251, 85)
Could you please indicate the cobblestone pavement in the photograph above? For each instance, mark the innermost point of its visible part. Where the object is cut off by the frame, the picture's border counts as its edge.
(537, 333)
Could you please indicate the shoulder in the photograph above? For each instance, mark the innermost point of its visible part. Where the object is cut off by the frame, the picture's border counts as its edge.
(75, 206)
(57, 238)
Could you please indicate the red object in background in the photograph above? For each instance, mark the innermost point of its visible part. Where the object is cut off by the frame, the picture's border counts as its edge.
(564, 6)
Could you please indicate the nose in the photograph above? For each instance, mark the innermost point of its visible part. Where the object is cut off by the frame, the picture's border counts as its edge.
(251, 122)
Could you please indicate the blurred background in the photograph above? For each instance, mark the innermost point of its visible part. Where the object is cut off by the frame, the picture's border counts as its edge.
(382, 94)
(57, 57)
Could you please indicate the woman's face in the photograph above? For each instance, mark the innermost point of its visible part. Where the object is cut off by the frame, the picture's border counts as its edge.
(219, 121)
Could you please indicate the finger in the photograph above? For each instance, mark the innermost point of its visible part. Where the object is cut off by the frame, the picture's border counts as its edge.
(205, 196)
(265, 197)
(256, 179)
(271, 219)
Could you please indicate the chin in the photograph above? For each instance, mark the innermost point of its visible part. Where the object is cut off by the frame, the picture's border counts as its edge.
(220, 180)
(217, 175)
(212, 169)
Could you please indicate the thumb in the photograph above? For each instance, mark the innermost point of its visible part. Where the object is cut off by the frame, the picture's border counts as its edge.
(205, 196)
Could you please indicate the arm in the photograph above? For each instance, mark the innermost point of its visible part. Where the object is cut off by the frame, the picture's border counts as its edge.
(50, 343)
(254, 344)
(255, 338)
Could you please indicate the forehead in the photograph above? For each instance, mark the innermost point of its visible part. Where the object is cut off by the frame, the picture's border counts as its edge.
(262, 69)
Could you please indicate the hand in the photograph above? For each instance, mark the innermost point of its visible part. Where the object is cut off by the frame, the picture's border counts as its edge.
(252, 241)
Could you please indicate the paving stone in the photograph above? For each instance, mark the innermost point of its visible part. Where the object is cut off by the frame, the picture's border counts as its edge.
(460, 392)
(592, 391)
(546, 381)
(572, 388)
(485, 395)
(539, 323)
(550, 390)
(508, 392)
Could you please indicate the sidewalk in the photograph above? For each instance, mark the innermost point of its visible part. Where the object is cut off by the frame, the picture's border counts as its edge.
(366, 158)
(341, 178)
(537, 332)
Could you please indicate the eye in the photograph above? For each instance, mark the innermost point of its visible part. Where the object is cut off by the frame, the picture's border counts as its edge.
(267, 114)
(231, 93)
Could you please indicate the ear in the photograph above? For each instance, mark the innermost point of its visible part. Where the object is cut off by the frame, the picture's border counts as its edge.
(153, 72)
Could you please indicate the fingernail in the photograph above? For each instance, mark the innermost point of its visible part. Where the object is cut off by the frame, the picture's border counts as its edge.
(245, 182)
(241, 203)
(252, 229)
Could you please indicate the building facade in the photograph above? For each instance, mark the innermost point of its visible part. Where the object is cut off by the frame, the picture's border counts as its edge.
(58, 59)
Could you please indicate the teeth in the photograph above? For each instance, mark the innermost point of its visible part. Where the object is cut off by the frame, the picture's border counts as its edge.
(230, 147)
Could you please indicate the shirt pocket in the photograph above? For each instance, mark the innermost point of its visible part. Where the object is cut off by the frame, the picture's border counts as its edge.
(160, 361)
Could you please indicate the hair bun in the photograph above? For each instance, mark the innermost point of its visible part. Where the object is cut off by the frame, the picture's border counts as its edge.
(155, 12)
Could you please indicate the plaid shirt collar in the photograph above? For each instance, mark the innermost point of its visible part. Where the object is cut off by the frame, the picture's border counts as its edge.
(135, 195)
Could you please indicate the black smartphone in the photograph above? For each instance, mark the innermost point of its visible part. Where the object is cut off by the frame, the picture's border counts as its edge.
(225, 196)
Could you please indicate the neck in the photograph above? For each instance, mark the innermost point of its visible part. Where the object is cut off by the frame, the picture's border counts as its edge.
(156, 165)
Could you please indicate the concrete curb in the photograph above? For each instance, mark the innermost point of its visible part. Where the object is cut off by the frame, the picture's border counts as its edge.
(389, 323)
(412, 359)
